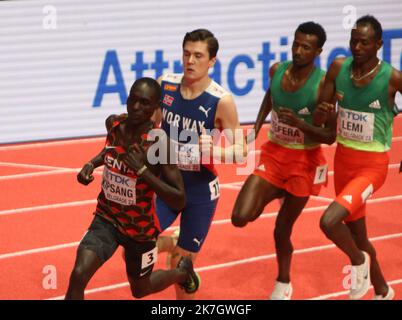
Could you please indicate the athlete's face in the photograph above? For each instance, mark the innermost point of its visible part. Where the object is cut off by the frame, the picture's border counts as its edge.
(141, 103)
(304, 49)
(196, 60)
(363, 44)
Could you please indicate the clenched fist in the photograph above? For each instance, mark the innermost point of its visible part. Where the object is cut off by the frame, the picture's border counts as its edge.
(85, 176)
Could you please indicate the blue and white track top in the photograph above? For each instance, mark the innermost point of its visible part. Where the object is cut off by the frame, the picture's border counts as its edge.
(182, 121)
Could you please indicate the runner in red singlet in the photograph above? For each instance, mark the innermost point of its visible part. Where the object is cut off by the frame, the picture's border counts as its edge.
(125, 213)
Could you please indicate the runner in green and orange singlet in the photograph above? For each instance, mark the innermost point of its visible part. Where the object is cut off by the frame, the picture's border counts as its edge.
(365, 88)
(292, 163)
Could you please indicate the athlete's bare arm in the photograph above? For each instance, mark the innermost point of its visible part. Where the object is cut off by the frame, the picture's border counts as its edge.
(85, 176)
(97, 161)
(171, 188)
(395, 85)
(323, 129)
(324, 117)
(328, 91)
(265, 107)
(176, 197)
(226, 118)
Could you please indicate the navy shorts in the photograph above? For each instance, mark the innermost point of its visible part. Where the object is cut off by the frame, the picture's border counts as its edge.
(195, 221)
(103, 238)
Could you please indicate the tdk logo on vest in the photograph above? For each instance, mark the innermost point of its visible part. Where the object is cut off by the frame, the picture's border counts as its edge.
(117, 178)
(350, 115)
(186, 123)
(356, 116)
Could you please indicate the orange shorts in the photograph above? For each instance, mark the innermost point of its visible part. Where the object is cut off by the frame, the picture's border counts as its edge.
(357, 175)
(299, 172)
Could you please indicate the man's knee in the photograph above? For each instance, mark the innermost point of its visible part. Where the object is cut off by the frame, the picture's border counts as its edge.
(80, 275)
(331, 218)
(239, 220)
(328, 222)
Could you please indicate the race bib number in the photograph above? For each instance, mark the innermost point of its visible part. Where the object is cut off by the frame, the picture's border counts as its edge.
(355, 125)
(118, 188)
(188, 157)
(214, 188)
(321, 174)
(284, 132)
(149, 258)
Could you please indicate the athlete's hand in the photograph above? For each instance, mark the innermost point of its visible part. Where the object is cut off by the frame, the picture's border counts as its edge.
(135, 157)
(322, 112)
(205, 143)
(288, 117)
(85, 176)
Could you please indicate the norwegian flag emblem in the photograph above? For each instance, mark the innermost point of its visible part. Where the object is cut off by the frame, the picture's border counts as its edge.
(168, 100)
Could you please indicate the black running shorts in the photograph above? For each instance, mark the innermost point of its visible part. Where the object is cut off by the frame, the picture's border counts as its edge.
(103, 238)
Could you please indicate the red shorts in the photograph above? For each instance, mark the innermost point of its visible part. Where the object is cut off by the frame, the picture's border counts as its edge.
(357, 175)
(299, 172)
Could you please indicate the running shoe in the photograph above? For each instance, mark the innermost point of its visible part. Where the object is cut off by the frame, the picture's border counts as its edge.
(282, 291)
(360, 278)
(192, 283)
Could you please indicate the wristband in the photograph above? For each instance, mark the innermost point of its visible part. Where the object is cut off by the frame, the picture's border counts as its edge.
(141, 171)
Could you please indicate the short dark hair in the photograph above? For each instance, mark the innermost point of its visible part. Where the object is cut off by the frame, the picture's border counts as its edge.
(316, 29)
(203, 35)
(152, 83)
(373, 22)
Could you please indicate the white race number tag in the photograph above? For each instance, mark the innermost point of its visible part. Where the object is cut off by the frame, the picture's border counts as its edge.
(321, 174)
(149, 258)
(355, 125)
(189, 157)
(284, 132)
(119, 188)
(214, 188)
